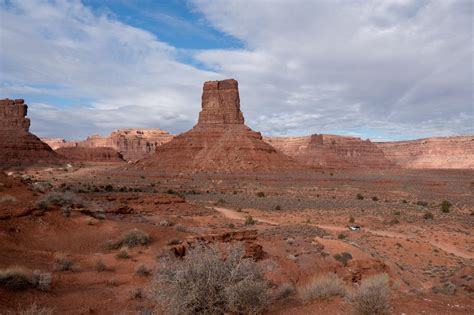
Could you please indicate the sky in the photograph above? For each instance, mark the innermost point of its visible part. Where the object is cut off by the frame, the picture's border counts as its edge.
(384, 69)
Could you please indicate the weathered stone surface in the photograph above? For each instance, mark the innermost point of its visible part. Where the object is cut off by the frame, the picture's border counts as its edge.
(17, 145)
(132, 144)
(221, 103)
(440, 152)
(330, 151)
(103, 154)
(220, 141)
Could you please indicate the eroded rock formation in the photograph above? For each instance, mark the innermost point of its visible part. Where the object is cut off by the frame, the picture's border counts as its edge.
(132, 144)
(103, 154)
(17, 145)
(440, 152)
(330, 151)
(219, 141)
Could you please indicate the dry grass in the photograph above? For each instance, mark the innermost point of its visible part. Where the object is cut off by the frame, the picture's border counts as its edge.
(205, 283)
(20, 279)
(323, 287)
(134, 238)
(60, 199)
(372, 297)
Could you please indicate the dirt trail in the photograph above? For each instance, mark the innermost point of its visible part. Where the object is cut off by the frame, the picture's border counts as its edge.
(232, 214)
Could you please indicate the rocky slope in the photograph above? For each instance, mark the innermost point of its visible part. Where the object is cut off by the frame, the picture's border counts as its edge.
(132, 144)
(330, 151)
(17, 145)
(220, 141)
(101, 154)
(440, 152)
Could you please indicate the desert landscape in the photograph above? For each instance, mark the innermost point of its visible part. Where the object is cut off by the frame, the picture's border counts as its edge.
(234, 157)
(91, 227)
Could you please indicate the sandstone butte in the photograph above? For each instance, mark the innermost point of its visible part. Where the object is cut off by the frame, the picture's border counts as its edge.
(220, 141)
(331, 151)
(17, 145)
(132, 144)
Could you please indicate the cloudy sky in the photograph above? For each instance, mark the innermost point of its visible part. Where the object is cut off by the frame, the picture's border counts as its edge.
(385, 69)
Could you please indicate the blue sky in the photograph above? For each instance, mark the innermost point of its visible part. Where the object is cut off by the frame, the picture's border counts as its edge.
(393, 69)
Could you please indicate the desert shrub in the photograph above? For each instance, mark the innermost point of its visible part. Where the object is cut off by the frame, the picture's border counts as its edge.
(142, 270)
(323, 287)
(341, 236)
(397, 213)
(447, 288)
(100, 266)
(373, 296)
(375, 198)
(42, 280)
(63, 263)
(205, 283)
(360, 196)
(166, 222)
(8, 198)
(284, 291)
(173, 241)
(351, 219)
(428, 215)
(66, 211)
(422, 203)
(20, 279)
(404, 201)
(134, 238)
(394, 221)
(123, 254)
(60, 199)
(260, 194)
(181, 228)
(343, 257)
(277, 207)
(249, 220)
(445, 206)
(136, 293)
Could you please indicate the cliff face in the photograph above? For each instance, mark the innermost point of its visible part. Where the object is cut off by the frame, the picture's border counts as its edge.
(17, 145)
(132, 144)
(220, 141)
(104, 154)
(331, 151)
(440, 152)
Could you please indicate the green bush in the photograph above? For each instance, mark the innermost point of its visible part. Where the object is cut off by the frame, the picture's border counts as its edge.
(134, 238)
(445, 206)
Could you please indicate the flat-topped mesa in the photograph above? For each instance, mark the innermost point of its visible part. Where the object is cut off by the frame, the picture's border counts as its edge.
(220, 103)
(12, 115)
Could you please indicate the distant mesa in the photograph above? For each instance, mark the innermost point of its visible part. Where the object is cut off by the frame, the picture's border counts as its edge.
(220, 141)
(132, 144)
(331, 151)
(104, 154)
(17, 145)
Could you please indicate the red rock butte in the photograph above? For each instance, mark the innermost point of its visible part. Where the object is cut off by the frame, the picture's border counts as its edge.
(17, 145)
(220, 141)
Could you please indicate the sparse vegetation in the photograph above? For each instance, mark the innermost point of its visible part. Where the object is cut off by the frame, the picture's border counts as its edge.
(428, 215)
(445, 206)
(360, 196)
(260, 194)
(323, 287)
(123, 254)
(375, 198)
(205, 283)
(34, 309)
(134, 238)
(343, 258)
(249, 220)
(100, 266)
(285, 291)
(60, 199)
(20, 279)
(181, 228)
(142, 270)
(351, 219)
(277, 207)
(342, 236)
(422, 203)
(63, 263)
(372, 297)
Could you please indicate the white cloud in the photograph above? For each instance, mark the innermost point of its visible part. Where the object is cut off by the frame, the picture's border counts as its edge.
(402, 68)
(62, 49)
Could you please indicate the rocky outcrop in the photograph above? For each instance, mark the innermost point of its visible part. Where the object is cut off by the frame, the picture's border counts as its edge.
(220, 141)
(132, 144)
(17, 145)
(91, 154)
(433, 153)
(331, 151)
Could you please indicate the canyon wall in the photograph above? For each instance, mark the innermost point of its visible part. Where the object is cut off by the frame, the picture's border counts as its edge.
(331, 151)
(434, 153)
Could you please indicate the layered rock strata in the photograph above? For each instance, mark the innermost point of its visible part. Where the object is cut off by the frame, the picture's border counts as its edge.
(91, 154)
(17, 145)
(331, 151)
(220, 141)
